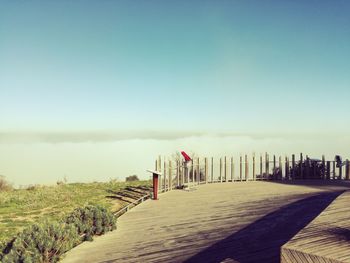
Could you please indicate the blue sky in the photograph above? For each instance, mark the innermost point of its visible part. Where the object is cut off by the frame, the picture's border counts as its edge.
(237, 66)
(94, 90)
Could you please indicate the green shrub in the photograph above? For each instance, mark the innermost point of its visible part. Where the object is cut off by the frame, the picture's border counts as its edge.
(4, 185)
(92, 220)
(43, 243)
(46, 242)
(132, 178)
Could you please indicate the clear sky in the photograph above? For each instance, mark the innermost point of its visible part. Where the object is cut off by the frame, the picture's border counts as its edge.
(94, 69)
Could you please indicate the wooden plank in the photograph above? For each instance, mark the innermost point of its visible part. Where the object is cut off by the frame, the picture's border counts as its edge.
(198, 171)
(232, 170)
(254, 175)
(212, 168)
(192, 170)
(286, 171)
(220, 170)
(325, 239)
(177, 174)
(170, 176)
(293, 166)
(324, 166)
(267, 165)
(328, 171)
(165, 175)
(225, 170)
(274, 166)
(219, 221)
(246, 170)
(280, 166)
(206, 169)
(307, 167)
(301, 166)
(261, 167)
(240, 168)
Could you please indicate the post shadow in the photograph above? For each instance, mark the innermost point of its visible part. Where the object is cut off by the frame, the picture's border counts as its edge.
(262, 240)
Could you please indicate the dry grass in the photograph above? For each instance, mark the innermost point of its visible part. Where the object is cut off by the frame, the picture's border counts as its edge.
(21, 207)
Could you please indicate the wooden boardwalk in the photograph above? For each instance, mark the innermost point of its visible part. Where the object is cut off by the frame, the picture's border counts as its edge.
(228, 222)
(325, 239)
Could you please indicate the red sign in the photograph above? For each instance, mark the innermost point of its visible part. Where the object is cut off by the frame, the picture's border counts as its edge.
(187, 158)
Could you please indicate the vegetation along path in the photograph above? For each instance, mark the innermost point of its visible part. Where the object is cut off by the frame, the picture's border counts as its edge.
(228, 222)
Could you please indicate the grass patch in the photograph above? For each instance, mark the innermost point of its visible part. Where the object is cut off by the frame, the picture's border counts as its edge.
(20, 208)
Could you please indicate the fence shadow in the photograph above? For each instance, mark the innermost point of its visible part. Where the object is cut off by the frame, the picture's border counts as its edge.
(316, 183)
(262, 240)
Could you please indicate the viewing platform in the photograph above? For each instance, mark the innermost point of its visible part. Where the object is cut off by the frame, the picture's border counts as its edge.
(325, 239)
(220, 222)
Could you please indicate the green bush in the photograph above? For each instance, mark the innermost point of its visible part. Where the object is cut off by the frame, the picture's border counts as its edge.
(46, 242)
(92, 220)
(4, 185)
(132, 178)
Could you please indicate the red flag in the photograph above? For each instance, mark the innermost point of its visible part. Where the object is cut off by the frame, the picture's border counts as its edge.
(187, 158)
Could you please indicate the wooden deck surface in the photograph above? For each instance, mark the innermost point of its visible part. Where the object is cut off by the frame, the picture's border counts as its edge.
(325, 239)
(228, 222)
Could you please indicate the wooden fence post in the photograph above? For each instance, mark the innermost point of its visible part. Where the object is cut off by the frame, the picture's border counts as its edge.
(220, 170)
(232, 169)
(177, 174)
(293, 166)
(183, 172)
(280, 168)
(192, 170)
(347, 170)
(254, 176)
(159, 163)
(160, 184)
(170, 176)
(340, 172)
(198, 171)
(165, 172)
(334, 172)
(225, 169)
(187, 175)
(212, 168)
(286, 175)
(206, 169)
(324, 167)
(301, 166)
(307, 168)
(261, 166)
(246, 168)
(314, 170)
(267, 165)
(328, 173)
(240, 168)
(274, 167)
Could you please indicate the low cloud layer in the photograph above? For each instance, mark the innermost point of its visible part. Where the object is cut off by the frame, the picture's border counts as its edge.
(79, 137)
(100, 136)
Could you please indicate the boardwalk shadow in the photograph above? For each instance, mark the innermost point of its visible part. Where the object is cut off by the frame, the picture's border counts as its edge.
(340, 233)
(262, 240)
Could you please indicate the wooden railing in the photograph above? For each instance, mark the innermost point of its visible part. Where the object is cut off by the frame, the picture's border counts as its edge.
(179, 174)
(131, 205)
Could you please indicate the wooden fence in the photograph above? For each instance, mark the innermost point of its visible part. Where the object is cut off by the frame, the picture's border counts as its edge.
(178, 174)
